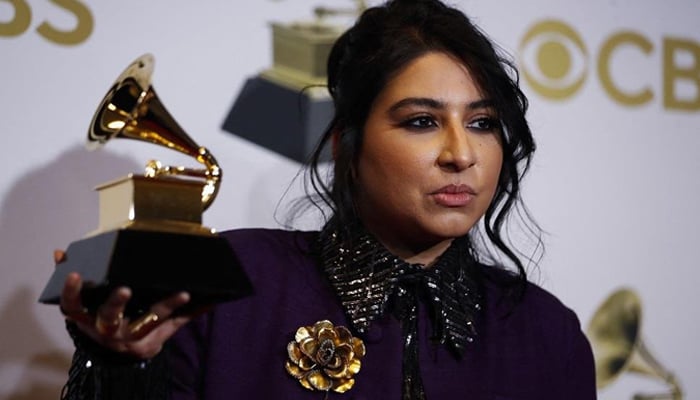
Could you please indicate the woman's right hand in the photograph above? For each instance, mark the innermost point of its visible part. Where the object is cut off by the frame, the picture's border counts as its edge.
(142, 338)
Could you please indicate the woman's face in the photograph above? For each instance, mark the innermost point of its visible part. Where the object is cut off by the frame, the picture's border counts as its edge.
(430, 159)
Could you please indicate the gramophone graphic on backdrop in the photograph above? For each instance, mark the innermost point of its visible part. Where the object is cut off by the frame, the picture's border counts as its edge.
(616, 337)
(150, 235)
(294, 87)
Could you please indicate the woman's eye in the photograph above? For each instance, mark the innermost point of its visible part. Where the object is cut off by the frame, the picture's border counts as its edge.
(420, 123)
(486, 124)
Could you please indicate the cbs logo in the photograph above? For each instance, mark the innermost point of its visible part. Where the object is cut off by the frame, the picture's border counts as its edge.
(555, 63)
(22, 17)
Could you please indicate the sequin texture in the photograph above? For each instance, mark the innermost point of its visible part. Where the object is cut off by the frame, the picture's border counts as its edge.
(370, 281)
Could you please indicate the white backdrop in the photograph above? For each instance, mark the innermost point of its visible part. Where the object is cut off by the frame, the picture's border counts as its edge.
(614, 185)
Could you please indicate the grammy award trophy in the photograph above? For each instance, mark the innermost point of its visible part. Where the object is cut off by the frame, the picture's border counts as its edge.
(150, 235)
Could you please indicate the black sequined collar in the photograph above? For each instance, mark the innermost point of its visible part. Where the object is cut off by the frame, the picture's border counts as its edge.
(370, 281)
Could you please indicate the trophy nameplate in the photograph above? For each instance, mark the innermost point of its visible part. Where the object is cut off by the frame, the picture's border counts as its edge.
(150, 235)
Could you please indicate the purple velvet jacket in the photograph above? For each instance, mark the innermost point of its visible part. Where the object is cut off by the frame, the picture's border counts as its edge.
(535, 350)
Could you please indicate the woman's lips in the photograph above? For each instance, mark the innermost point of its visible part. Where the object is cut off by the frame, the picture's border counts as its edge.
(453, 195)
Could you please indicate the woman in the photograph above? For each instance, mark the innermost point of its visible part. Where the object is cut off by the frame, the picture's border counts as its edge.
(395, 297)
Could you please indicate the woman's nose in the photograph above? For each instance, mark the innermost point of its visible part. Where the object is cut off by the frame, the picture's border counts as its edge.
(457, 152)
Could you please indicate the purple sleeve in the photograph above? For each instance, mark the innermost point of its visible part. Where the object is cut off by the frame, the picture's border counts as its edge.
(187, 359)
(580, 367)
(537, 349)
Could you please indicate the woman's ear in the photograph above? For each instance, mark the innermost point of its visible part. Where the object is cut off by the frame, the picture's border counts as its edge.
(342, 151)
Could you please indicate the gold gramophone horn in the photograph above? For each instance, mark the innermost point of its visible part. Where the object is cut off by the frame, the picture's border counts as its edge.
(132, 110)
(615, 335)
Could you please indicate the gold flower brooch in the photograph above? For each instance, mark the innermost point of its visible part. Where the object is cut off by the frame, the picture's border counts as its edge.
(325, 357)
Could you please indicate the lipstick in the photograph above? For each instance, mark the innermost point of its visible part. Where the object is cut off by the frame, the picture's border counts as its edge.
(453, 195)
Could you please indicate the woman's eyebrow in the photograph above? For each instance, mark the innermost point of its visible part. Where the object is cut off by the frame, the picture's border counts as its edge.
(417, 101)
(482, 103)
(436, 104)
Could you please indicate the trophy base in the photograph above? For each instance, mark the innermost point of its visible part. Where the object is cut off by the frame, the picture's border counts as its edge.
(154, 265)
(297, 126)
